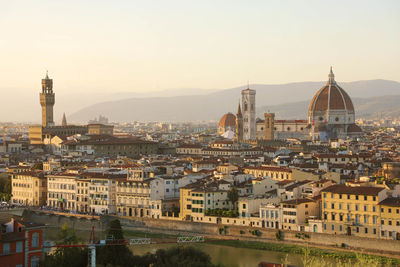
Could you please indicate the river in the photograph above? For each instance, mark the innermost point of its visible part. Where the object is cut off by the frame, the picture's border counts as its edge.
(231, 256)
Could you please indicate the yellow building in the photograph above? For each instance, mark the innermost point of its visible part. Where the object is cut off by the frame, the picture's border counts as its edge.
(29, 188)
(390, 218)
(185, 200)
(352, 210)
(276, 173)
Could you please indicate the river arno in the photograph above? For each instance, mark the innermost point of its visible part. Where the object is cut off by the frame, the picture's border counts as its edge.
(231, 256)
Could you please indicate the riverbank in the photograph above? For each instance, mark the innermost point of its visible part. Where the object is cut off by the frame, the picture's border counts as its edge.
(280, 246)
(341, 243)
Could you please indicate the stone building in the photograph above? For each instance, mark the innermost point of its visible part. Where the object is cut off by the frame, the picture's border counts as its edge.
(331, 113)
(249, 114)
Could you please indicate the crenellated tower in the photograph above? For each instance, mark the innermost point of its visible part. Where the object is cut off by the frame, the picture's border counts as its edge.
(47, 100)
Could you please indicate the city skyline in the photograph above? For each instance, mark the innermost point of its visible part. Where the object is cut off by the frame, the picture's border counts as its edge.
(139, 47)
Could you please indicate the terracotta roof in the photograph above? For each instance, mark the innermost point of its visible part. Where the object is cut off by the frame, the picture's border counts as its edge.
(356, 190)
(228, 120)
(391, 202)
(331, 97)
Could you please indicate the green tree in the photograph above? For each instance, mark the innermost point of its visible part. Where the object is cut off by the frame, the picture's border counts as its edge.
(233, 196)
(115, 253)
(66, 256)
(178, 256)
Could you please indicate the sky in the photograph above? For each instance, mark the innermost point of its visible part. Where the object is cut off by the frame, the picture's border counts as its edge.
(114, 46)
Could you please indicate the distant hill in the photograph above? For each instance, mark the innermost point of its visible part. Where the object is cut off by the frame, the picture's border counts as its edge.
(286, 100)
(372, 107)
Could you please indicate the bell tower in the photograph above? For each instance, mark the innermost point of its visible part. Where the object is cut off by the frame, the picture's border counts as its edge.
(269, 126)
(47, 100)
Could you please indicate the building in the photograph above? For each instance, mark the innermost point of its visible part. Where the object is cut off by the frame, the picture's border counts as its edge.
(249, 114)
(331, 113)
(352, 210)
(107, 145)
(390, 218)
(276, 173)
(271, 215)
(100, 129)
(133, 193)
(48, 129)
(269, 126)
(239, 125)
(227, 123)
(21, 243)
(29, 188)
(61, 191)
(47, 100)
(296, 212)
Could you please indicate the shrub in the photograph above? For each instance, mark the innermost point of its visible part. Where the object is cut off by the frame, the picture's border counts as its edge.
(278, 235)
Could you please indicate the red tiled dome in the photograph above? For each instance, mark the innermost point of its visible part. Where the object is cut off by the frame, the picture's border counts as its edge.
(331, 97)
(228, 120)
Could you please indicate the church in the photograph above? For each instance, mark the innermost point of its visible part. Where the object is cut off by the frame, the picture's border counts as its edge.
(331, 115)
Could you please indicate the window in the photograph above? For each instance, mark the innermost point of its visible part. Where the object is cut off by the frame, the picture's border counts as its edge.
(6, 248)
(390, 210)
(18, 247)
(332, 195)
(333, 206)
(35, 261)
(365, 198)
(35, 239)
(244, 206)
(373, 208)
(356, 197)
(333, 227)
(366, 230)
(365, 207)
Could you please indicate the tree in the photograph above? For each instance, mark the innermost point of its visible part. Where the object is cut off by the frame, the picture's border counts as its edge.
(116, 253)
(233, 196)
(178, 256)
(66, 256)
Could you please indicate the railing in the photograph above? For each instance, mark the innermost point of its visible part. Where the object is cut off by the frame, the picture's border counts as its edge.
(190, 239)
(140, 241)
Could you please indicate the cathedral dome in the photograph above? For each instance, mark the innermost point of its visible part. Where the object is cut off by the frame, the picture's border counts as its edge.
(331, 97)
(228, 120)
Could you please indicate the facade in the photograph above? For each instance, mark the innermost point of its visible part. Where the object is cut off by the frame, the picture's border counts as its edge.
(276, 173)
(82, 196)
(106, 145)
(133, 194)
(269, 126)
(390, 218)
(249, 114)
(29, 188)
(271, 215)
(297, 212)
(352, 210)
(100, 129)
(331, 113)
(21, 243)
(61, 191)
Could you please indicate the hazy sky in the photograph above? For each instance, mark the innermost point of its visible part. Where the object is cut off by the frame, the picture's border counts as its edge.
(153, 45)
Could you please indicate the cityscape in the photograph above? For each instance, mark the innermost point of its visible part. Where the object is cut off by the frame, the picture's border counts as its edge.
(279, 174)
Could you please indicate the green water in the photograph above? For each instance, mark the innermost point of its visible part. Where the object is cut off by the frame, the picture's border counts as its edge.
(230, 256)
